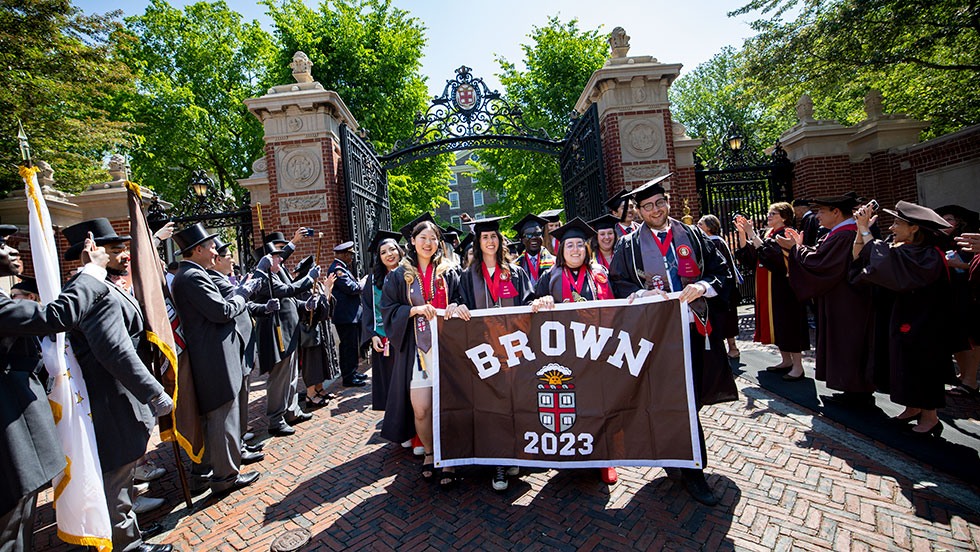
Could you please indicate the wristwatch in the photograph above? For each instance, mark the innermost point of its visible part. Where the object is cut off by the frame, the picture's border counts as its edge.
(865, 234)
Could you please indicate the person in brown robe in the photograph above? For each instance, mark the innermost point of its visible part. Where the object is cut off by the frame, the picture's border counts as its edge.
(963, 305)
(915, 270)
(780, 318)
(845, 316)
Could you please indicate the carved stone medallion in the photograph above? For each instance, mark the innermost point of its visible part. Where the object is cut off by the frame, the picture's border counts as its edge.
(643, 139)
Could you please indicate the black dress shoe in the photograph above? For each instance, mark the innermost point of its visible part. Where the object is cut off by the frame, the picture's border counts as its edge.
(248, 436)
(243, 480)
(354, 383)
(251, 457)
(152, 530)
(698, 487)
(253, 448)
(300, 418)
(146, 547)
(362, 377)
(281, 431)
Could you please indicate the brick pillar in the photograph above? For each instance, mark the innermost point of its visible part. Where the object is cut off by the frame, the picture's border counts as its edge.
(299, 181)
(639, 140)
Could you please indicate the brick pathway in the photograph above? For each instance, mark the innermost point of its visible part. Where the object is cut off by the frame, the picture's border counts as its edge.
(788, 481)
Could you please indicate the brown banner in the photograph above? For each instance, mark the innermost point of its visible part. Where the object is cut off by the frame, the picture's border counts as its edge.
(588, 384)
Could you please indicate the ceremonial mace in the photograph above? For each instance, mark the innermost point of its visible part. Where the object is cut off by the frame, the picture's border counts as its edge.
(316, 262)
(275, 315)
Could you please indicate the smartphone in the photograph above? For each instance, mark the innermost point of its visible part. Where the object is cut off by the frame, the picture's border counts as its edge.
(308, 232)
(874, 204)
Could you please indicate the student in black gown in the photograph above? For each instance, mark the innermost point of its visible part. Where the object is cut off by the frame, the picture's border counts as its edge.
(914, 269)
(422, 283)
(490, 282)
(386, 254)
(574, 278)
(726, 321)
(607, 236)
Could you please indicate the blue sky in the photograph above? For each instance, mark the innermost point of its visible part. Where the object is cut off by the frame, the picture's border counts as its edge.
(475, 33)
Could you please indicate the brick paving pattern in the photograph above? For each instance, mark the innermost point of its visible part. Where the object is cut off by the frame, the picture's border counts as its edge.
(787, 481)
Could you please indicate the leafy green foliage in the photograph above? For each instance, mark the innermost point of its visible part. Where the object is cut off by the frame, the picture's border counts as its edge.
(370, 53)
(924, 55)
(194, 69)
(559, 60)
(59, 78)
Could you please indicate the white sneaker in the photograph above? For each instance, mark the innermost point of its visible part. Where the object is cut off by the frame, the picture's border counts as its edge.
(407, 444)
(418, 451)
(148, 472)
(144, 504)
(500, 482)
(513, 471)
(141, 488)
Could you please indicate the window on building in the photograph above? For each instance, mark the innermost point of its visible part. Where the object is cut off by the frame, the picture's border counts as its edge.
(478, 198)
(454, 200)
(473, 179)
(454, 220)
(478, 216)
(452, 180)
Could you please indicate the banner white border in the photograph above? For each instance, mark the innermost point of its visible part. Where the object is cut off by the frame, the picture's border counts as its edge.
(685, 314)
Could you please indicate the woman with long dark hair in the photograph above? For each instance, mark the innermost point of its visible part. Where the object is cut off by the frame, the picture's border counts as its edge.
(386, 255)
(606, 237)
(422, 283)
(491, 281)
(574, 278)
(780, 318)
(914, 269)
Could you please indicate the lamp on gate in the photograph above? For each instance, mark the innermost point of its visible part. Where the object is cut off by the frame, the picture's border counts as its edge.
(200, 184)
(734, 138)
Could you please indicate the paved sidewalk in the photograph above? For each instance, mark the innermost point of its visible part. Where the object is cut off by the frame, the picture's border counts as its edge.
(789, 480)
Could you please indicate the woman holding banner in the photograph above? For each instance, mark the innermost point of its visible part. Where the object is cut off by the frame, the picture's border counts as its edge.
(493, 282)
(574, 278)
(423, 282)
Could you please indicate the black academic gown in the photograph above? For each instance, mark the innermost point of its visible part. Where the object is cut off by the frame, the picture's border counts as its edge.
(475, 295)
(382, 366)
(787, 327)
(845, 320)
(714, 381)
(917, 328)
(399, 420)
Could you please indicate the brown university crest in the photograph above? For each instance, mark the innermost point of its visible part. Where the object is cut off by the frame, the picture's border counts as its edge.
(556, 398)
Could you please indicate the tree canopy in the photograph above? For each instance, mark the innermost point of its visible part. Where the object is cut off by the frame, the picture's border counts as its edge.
(59, 78)
(559, 60)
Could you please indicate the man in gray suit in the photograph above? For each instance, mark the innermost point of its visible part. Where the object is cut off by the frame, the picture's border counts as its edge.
(215, 355)
(29, 445)
(125, 397)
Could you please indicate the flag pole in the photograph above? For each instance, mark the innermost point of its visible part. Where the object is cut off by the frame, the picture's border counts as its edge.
(275, 315)
(316, 261)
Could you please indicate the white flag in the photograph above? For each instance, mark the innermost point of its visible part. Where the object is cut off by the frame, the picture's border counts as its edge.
(79, 496)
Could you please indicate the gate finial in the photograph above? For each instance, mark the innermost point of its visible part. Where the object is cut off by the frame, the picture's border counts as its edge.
(619, 41)
(302, 67)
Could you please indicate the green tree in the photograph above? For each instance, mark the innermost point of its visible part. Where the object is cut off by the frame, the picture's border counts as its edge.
(370, 53)
(712, 97)
(923, 54)
(59, 78)
(194, 69)
(559, 60)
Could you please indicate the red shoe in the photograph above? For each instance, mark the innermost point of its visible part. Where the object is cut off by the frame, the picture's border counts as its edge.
(608, 475)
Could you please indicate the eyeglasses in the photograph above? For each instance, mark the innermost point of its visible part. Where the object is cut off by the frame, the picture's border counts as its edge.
(649, 206)
(531, 235)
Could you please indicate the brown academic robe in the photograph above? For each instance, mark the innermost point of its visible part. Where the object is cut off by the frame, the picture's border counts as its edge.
(844, 311)
(917, 329)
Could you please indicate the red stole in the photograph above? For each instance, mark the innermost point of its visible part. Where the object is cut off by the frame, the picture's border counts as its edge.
(572, 288)
(533, 269)
(602, 260)
(434, 292)
(844, 228)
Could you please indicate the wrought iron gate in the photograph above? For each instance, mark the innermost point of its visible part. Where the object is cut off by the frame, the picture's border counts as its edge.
(366, 194)
(583, 176)
(744, 184)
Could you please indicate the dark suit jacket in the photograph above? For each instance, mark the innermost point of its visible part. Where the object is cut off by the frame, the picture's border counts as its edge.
(244, 326)
(347, 293)
(119, 384)
(30, 453)
(211, 335)
(288, 317)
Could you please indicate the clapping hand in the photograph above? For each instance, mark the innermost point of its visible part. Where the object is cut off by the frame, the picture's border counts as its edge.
(328, 282)
(791, 238)
(970, 243)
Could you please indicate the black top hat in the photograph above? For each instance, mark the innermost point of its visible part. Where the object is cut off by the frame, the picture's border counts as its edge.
(379, 237)
(971, 218)
(604, 222)
(266, 249)
(650, 189)
(190, 237)
(303, 267)
(552, 215)
(274, 237)
(27, 284)
(408, 228)
(528, 220)
(575, 228)
(919, 215)
(343, 247)
(220, 244)
(845, 203)
(6, 230)
(101, 230)
(491, 224)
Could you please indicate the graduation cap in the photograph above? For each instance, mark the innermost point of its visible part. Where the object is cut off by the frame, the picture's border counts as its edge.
(514, 246)
(491, 224)
(650, 189)
(451, 234)
(971, 218)
(605, 222)
(464, 245)
(529, 219)
(552, 215)
(575, 228)
(379, 237)
(408, 228)
(845, 203)
(617, 200)
(919, 215)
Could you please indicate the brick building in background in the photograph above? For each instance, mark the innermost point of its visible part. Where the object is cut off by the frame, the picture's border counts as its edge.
(464, 194)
